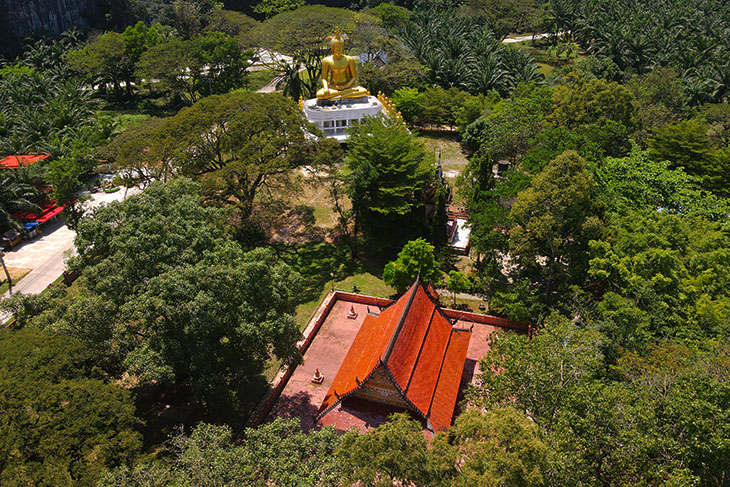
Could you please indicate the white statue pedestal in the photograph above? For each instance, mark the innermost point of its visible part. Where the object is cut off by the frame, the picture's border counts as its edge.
(335, 119)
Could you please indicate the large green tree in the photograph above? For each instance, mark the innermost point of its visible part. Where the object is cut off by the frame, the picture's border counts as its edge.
(648, 419)
(235, 144)
(554, 219)
(166, 296)
(601, 110)
(688, 145)
(395, 452)
(538, 374)
(210, 64)
(303, 34)
(105, 62)
(505, 131)
(276, 454)
(637, 182)
(387, 170)
(688, 391)
(415, 259)
(497, 448)
(660, 276)
(143, 153)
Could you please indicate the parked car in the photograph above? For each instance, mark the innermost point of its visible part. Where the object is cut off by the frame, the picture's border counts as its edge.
(10, 239)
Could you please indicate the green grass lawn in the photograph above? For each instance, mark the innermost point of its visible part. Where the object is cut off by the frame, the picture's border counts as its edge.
(124, 118)
(547, 63)
(363, 283)
(259, 79)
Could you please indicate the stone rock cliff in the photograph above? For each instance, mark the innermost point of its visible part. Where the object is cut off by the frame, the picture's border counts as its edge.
(26, 17)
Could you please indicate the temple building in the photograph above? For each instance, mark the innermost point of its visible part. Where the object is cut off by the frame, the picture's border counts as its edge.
(409, 356)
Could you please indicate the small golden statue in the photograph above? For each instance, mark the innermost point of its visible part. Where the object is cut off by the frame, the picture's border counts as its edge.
(339, 73)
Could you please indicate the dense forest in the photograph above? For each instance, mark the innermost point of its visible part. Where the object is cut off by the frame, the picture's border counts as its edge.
(596, 177)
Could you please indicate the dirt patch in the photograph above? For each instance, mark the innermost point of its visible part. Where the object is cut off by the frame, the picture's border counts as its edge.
(297, 225)
(16, 274)
(303, 213)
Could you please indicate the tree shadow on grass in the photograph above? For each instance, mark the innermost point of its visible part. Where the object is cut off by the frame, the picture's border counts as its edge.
(152, 104)
(318, 263)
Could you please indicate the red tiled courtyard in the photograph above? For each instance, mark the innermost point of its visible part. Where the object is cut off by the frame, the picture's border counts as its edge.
(327, 349)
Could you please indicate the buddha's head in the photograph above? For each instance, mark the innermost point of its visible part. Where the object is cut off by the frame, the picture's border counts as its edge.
(337, 45)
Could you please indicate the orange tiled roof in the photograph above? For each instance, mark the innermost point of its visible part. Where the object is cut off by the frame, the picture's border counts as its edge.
(422, 353)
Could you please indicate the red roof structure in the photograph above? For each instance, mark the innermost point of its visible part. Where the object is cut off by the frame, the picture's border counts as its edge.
(410, 355)
(46, 213)
(14, 162)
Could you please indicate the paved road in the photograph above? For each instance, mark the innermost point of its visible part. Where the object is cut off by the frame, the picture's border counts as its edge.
(45, 255)
(270, 87)
(524, 38)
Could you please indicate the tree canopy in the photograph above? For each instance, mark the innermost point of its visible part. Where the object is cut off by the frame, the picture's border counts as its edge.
(663, 276)
(459, 52)
(209, 64)
(623, 427)
(276, 454)
(61, 423)
(596, 190)
(415, 259)
(386, 172)
(554, 219)
(234, 144)
(638, 36)
(166, 296)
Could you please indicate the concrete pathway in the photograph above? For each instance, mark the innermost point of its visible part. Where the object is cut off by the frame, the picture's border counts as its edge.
(43, 255)
(46, 255)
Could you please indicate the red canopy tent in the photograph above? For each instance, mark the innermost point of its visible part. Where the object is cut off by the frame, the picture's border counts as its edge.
(14, 162)
(46, 213)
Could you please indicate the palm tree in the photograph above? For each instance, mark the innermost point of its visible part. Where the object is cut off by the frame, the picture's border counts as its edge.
(521, 68)
(489, 74)
(459, 52)
(15, 195)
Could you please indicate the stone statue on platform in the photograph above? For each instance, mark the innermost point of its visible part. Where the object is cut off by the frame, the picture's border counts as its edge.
(339, 74)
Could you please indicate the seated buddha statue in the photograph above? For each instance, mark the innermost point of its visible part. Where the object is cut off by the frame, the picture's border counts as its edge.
(339, 74)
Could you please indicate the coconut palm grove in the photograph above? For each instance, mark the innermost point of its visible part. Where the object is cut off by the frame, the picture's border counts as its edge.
(433, 243)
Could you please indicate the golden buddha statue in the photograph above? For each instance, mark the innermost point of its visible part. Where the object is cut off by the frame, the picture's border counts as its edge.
(339, 73)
